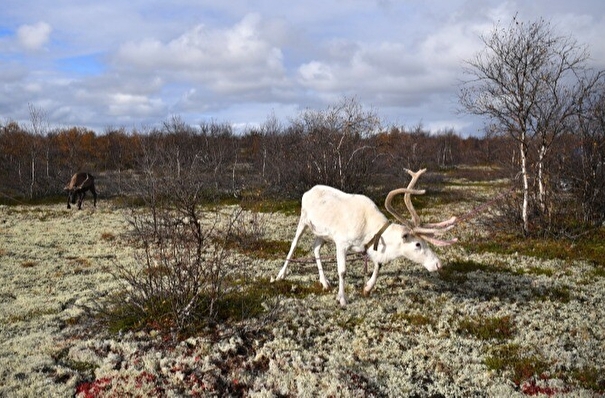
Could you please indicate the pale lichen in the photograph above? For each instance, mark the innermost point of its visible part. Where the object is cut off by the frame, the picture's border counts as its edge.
(405, 339)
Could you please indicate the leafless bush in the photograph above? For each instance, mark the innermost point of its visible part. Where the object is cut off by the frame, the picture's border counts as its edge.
(585, 169)
(334, 147)
(178, 270)
(246, 228)
(184, 257)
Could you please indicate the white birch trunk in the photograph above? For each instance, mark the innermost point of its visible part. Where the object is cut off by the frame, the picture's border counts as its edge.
(541, 187)
(525, 177)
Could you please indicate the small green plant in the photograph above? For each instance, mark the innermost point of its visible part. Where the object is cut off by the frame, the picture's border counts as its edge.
(499, 328)
(598, 272)
(521, 366)
(247, 235)
(350, 322)
(413, 319)
(456, 271)
(591, 246)
(540, 271)
(86, 369)
(590, 377)
(32, 314)
(263, 205)
(561, 294)
(263, 248)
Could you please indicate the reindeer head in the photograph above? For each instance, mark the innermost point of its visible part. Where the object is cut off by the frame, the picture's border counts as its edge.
(416, 233)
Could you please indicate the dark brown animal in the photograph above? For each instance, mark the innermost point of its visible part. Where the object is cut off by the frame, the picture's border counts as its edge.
(77, 187)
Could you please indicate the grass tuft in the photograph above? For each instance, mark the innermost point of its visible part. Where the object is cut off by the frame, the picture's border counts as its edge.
(263, 248)
(560, 294)
(510, 358)
(498, 328)
(457, 270)
(590, 377)
(589, 247)
(414, 319)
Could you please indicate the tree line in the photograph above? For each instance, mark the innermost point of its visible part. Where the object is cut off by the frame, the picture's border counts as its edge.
(283, 160)
(342, 146)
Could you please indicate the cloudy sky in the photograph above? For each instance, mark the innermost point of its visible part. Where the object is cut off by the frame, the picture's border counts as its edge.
(135, 63)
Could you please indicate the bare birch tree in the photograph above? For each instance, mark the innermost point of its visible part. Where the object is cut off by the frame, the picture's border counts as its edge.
(527, 82)
(337, 153)
(39, 128)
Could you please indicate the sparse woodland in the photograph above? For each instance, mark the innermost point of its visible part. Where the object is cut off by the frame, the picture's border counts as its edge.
(343, 146)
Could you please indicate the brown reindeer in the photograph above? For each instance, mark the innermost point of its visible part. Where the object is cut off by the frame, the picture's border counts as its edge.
(77, 187)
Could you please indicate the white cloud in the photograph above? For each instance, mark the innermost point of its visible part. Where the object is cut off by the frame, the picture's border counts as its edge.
(124, 104)
(316, 74)
(230, 60)
(238, 61)
(34, 37)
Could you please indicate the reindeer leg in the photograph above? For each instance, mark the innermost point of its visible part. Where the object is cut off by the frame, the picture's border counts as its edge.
(299, 230)
(370, 284)
(341, 257)
(317, 243)
(81, 199)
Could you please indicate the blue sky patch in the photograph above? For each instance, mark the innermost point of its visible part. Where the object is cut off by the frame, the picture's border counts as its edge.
(86, 65)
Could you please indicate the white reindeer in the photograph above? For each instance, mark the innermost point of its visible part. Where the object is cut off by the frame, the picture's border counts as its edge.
(354, 223)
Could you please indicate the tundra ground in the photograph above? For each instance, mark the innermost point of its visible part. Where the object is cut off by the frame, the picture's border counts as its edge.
(488, 325)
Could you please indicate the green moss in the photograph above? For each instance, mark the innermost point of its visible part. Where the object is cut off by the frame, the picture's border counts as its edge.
(32, 314)
(590, 377)
(413, 319)
(561, 294)
(263, 248)
(16, 199)
(85, 369)
(598, 272)
(591, 247)
(287, 207)
(129, 202)
(247, 302)
(456, 271)
(540, 271)
(121, 315)
(350, 322)
(512, 359)
(498, 328)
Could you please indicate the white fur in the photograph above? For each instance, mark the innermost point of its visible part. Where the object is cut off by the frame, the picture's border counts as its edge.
(350, 221)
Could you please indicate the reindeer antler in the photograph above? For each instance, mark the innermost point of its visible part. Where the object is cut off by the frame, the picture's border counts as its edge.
(426, 231)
